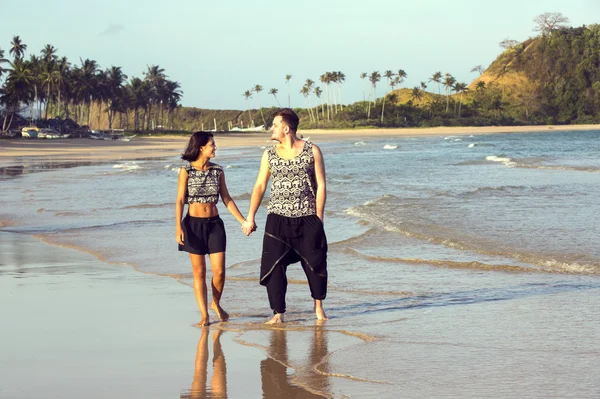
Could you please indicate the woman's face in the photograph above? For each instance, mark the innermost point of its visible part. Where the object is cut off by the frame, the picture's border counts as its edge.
(209, 149)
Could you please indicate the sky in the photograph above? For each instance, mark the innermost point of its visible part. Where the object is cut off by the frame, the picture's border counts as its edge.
(217, 50)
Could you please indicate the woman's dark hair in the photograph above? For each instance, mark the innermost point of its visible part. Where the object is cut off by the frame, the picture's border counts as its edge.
(197, 141)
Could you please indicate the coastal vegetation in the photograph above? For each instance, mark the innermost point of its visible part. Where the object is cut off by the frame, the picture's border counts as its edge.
(553, 78)
(48, 86)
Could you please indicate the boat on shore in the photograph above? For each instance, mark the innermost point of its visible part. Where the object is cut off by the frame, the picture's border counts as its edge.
(109, 135)
(260, 128)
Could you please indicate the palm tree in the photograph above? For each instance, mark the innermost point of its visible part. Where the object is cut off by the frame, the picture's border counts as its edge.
(18, 48)
(156, 76)
(448, 84)
(62, 69)
(388, 76)
(305, 91)
(48, 73)
(363, 76)
(331, 77)
(437, 78)
(18, 88)
(460, 88)
(36, 67)
(114, 84)
(287, 81)
(309, 84)
(49, 53)
(274, 92)
(87, 89)
(416, 94)
(373, 78)
(326, 80)
(2, 61)
(248, 94)
(257, 89)
(173, 95)
(340, 78)
(318, 93)
(401, 75)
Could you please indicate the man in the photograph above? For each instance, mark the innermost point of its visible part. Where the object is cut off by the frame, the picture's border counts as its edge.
(294, 228)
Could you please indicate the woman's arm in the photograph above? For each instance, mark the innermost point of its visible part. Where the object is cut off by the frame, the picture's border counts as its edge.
(180, 204)
(229, 202)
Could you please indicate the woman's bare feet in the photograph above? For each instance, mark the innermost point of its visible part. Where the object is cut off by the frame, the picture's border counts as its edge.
(320, 313)
(277, 319)
(221, 313)
(204, 322)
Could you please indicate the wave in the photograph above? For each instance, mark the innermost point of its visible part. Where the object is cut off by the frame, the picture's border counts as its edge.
(390, 146)
(483, 191)
(70, 214)
(501, 159)
(524, 164)
(242, 197)
(445, 263)
(370, 213)
(593, 169)
(128, 166)
(147, 206)
(354, 240)
(110, 225)
(481, 145)
(359, 143)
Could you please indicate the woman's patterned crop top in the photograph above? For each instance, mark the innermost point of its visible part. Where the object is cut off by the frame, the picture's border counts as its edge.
(203, 186)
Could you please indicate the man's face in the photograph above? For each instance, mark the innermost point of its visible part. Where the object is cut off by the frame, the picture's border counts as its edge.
(279, 129)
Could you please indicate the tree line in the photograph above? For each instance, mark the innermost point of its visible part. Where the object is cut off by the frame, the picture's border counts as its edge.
(48, 86)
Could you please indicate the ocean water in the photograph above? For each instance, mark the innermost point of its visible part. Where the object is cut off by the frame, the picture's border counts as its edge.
(459, 266)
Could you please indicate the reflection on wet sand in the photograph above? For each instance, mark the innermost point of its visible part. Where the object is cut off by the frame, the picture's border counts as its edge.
(273, 370)
(218, 382)
(309, 379)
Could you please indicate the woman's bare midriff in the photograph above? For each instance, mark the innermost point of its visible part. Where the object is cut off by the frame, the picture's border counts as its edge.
(198, 210)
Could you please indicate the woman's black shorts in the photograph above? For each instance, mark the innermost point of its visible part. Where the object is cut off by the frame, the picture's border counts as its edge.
(203, 236)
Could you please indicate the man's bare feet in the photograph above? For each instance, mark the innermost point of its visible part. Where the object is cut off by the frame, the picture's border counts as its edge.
(221, 313)
(277, 319)
(319, 312)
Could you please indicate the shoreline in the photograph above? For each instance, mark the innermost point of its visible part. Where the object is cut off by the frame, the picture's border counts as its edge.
(11, 150)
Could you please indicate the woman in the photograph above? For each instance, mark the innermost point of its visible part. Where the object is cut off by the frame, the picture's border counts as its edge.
(202, 232)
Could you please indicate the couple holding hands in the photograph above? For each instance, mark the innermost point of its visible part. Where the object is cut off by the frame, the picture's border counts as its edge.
(294, 228)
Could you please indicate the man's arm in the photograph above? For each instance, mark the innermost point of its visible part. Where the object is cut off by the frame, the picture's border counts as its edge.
(321, 185)
(258, 192)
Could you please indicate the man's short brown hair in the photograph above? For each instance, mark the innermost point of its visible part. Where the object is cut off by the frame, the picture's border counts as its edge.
(289, 117)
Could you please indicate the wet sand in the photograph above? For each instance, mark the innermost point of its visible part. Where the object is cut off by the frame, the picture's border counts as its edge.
(73, 326)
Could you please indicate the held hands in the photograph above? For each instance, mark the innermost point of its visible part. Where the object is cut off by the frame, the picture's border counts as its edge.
(248, 227)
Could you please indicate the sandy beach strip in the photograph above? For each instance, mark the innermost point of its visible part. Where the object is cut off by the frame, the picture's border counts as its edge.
(14, 150)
